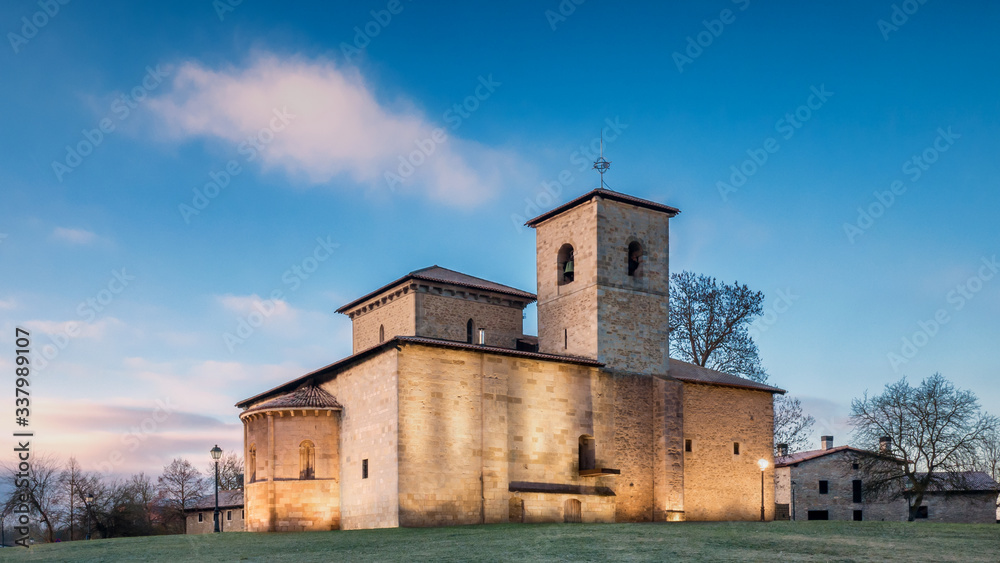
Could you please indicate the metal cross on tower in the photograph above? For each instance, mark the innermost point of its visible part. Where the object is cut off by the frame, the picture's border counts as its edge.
(600, 164)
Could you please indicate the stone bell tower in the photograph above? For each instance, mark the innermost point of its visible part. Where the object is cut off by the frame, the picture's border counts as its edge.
(603, 279)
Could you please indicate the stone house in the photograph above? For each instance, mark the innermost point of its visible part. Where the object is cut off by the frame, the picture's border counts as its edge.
(828, 484)
(200, 516)
(446, 413)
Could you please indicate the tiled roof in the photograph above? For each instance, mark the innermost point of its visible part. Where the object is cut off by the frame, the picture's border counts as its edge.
(692, 373)
(227, 499)
(306, 397)
(444, 275)
(606, 194)
(799, 457)
(967, 481)
(498, 350)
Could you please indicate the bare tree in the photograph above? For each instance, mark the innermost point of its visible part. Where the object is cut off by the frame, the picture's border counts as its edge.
(180, 485)
(709, 324)
(38, 488)
(989, 457)
(791, 425)
(69, 494)
(230, 472)
(935, 431)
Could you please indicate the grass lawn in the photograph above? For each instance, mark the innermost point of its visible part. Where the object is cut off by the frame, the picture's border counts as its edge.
(689, 541)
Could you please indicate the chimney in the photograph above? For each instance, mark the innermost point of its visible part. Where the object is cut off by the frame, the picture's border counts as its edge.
(782, 450)
(482, 337)
(827, 442)
(884, 445)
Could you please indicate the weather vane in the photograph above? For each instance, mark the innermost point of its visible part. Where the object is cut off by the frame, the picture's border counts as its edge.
(600, 164)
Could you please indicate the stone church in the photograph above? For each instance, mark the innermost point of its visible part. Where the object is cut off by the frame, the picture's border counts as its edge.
(446, 413)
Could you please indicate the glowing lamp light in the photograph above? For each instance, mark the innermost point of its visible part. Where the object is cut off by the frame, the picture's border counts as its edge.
(762, 463)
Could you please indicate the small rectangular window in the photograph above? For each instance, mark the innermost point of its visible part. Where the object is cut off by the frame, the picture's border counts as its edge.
(858, 516)
(817, 515)
(922, 511)
(736, 448)
(565, 339)
(687, 445)
(855, 466)
(364, 469)
(857, 490)
(201, 517)
(243, 514)
(824, 487)
(229, 515)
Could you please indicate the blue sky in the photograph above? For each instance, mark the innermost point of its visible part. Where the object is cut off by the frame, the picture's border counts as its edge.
(310, 105)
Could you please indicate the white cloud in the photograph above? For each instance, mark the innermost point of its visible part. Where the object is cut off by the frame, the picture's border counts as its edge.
(7, 305)
(245, 304)
(73, 236)
(339, 128)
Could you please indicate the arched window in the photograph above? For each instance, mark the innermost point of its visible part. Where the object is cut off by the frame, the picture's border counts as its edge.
(381, 334)
(634, 259)
(252, 463)
(307, 460)
(468, 331)
(588, 452)
(567, 270)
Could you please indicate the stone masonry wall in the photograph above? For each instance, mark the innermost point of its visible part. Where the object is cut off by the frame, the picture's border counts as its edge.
(446, 316)
(719, 485)
(471, 423)
(397, 316)
(207, 524)
(839, 503)
(967, 508)
(572, 306)
(369, 393)
(632, 316)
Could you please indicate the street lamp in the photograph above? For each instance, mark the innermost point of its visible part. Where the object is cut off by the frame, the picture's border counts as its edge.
(762, 463)
(87, 500)
(216, 454)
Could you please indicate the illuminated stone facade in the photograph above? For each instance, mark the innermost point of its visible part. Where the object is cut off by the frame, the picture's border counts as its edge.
(427, 425)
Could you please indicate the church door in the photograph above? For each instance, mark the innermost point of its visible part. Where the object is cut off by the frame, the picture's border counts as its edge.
(572, 511)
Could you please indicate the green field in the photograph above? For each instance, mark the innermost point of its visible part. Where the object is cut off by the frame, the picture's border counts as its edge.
(720, 541)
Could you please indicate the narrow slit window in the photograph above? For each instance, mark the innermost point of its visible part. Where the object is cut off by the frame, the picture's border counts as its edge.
(736, 448)
(381, 334)
(252, 463)
(565, 339)
(468, 332)
(364, 469)
(687, 445)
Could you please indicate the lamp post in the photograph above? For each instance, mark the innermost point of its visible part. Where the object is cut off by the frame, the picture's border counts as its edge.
(87, 500)
(216, 454)
(762, 463)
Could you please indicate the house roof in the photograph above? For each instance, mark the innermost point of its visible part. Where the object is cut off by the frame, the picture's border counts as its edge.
(963, 482)
(308, 396)
(799, 457)
(336, 367)
(227, 499)
(444, 275)
(606, 194)
(692, 373)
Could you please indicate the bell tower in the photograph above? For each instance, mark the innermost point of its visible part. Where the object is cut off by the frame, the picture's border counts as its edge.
(602, 263)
